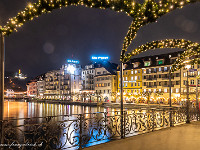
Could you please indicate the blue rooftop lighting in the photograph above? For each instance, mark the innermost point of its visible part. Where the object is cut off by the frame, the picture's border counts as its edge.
(72, 61)
(100, 57)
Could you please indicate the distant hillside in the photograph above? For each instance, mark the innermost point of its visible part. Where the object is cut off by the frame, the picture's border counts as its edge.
(15, 84)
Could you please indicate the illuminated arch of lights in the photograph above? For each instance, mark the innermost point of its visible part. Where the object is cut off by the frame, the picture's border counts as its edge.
(191, 49)
(142, 13)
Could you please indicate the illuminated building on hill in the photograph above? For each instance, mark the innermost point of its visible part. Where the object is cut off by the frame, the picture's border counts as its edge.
(20, 75)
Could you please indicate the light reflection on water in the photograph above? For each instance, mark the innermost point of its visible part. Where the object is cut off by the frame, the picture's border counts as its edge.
(16, 109)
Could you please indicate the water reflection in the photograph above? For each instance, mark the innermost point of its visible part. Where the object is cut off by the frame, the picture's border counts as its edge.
(16, 109)
(90, 128)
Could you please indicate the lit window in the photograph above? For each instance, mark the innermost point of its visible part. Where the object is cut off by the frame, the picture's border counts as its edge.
(192, 82)
(135, 77)
(147, 63)
(131, 78)
(135, 71)
(144, 71)
(160, 62)
(184, 74)
(131, 71)
(177, 90)
(165, 90)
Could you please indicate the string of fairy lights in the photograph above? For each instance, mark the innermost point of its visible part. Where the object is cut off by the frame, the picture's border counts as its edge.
(142, 13)
(191, 49)
(149, 12)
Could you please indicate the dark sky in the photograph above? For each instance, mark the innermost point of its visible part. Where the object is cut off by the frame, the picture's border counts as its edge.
(46, 42)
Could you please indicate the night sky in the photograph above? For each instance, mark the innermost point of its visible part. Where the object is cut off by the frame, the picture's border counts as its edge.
(46, 42)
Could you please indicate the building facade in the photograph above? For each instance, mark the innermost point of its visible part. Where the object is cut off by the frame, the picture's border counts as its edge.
(62, 84)
(106, 87)
(156, 81)
(194, 82)
(71, 80)
(132, 77)
(90, 75)
(32, 88)
(41, 87)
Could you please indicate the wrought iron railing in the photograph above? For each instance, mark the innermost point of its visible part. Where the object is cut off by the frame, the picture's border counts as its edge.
(83, 130)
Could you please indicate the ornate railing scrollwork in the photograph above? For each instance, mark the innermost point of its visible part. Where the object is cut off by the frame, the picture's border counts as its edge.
(83, 130)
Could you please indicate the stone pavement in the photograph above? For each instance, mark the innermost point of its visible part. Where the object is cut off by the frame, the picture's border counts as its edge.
(182, 137)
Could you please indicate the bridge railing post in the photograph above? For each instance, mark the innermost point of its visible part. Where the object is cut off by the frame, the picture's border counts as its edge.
(124, 123)
(80, 134)
(153, 113)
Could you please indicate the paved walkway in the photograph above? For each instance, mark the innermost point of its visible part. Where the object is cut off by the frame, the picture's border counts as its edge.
(183, 137)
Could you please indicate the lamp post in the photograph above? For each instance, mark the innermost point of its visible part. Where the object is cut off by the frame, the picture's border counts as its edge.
(2, 65)
(170, 90)
(188, 102)
(197, 102)
(121, 94)
(170, 99)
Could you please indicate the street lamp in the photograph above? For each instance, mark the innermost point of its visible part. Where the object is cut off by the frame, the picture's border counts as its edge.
(197, 102)
(2, 62)
(188, 102)
(170, 90)
(121, 94)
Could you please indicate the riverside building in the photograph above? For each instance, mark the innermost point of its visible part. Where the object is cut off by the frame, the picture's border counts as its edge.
(93, 75)
(156, 83)
(62, 84)
(132, 77)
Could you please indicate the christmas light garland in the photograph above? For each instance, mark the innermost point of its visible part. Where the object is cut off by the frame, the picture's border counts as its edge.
(191, 49)
(142, 14)
(187, 57)
(149, 12)
(189, 46)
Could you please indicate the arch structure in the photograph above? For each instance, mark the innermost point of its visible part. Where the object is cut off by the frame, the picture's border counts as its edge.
(142, 13)
(192, 49)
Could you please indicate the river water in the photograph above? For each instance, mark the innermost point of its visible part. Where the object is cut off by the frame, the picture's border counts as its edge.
(17, 109)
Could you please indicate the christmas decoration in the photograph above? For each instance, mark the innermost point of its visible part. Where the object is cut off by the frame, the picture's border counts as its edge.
(142, 13)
